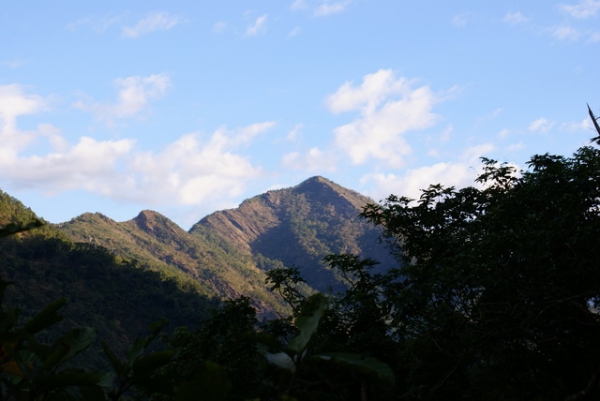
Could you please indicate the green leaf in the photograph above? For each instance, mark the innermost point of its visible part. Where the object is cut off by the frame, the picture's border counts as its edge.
(154, 384)
(137, 349)
(117, 365)
(140, 344)
(65, 379)
(281, 360)
(92, 393)
(25, 361)
(210, 384)
(360, 364)
(308, 325)
(46, 318)
(594, 121)
(68, 346)
(41, 350)
(149, 363)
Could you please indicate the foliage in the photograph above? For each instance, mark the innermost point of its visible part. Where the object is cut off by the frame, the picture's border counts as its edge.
(319, 363)
(227, 339)
(118, 296)
(499, 288)
(32, 370)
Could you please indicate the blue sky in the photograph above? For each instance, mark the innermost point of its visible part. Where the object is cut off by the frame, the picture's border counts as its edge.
(187, 108)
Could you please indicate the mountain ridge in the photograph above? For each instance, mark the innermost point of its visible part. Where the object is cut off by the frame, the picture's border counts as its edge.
(227, 253)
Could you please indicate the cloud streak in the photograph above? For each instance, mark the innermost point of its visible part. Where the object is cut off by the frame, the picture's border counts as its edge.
(541, 125)
(134, 96)
(259, 26)
(515, 18)
(158, 21)
(583, 9)
(328, 8)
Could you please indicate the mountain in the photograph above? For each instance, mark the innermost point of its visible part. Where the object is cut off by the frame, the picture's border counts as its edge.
(159, 244)
(114, 294)
(227, 253)
(298, 226)
(121, 276)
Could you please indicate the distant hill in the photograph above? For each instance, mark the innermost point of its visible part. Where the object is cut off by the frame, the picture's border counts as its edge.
(224, 255)
(227, 252)
(158, 243)
(116, 295)
(298, 226)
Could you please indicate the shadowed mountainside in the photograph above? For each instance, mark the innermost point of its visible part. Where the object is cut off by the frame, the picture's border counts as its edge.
(116, 295)
(298, 226)
(157, 242)
(227, 252)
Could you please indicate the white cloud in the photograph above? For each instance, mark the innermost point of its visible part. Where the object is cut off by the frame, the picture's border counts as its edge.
(191, 171)
(66, 167)
(298, 5)
(564, 32)
(54, 136)
(98, 25)
(295, 132)
(414, 180)
(541, 125)
(134, 96)
(328, 8)
(584, 9)
(459, 174)
(585, 124)
(159, 21)
(195, 170)
(259, 26)
(321, 8)
(388, 108)
(14, 102)
(315, 160)
(89, 165)
(515, 18)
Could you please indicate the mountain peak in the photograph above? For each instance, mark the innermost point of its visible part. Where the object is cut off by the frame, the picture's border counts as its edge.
(147, 215)
(153, 222)
(325, 189)
(318, 180)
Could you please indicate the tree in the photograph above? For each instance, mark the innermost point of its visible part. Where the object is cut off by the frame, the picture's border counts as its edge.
(500, 285)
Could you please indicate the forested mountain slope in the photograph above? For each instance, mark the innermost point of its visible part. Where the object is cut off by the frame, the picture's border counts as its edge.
(227, 252)
(298, 226)
(157, 242)
(114, 294)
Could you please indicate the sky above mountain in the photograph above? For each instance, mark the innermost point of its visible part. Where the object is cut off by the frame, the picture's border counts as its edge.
(187, 107)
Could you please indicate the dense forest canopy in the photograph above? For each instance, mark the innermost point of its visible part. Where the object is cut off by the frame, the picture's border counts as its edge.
(494, 296)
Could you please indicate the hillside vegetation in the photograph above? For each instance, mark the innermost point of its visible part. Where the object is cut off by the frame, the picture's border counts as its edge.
(117, 295)
(228, 252)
